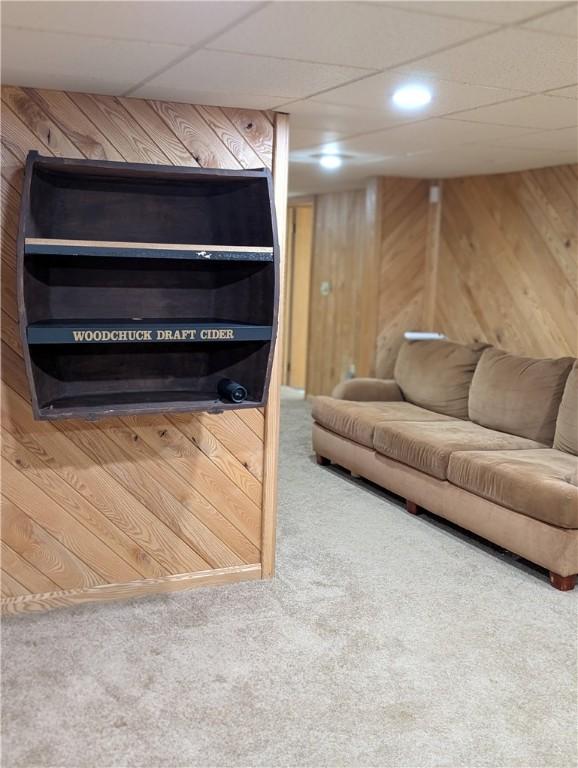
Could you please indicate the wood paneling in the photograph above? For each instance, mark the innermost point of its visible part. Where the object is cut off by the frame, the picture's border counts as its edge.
(339, 260)
(508, 261)
(140, 504)
(496, 260)
(370, 245)
(404, 225)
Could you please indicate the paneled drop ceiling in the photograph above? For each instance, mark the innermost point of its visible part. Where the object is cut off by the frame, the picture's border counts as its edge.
(504, 75)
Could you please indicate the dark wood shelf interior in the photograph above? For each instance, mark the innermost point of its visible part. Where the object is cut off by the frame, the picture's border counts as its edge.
(65, 287)
(76, 202)
(75, 375)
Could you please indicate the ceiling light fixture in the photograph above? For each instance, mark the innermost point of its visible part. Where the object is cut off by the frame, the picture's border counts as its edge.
(330, 162)
(412, 96)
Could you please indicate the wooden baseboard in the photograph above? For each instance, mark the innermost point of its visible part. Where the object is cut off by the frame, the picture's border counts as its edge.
(107, 592)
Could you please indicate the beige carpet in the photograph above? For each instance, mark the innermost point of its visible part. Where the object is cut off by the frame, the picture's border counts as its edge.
(386, 640)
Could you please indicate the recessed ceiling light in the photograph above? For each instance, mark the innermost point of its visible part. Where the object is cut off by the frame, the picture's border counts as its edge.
(412, 96)
(330, 162)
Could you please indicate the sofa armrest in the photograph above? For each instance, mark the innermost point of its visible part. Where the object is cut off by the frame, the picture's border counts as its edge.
(372, 390)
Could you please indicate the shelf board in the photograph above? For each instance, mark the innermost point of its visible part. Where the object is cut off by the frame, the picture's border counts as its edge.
(123, 403)
(139, 400)
(54, 247)
(144, 331)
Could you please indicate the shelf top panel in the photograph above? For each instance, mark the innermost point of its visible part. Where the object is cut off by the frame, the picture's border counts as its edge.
(114, 168)
(197, 252)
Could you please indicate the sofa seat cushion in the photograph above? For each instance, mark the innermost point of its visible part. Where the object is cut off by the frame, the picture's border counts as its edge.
(542, 484)
(427, 446)
(356, 421)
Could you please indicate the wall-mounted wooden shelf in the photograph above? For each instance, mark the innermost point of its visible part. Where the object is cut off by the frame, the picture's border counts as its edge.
(142, 286)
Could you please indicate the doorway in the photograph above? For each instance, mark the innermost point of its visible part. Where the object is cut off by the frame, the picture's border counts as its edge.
(297, 293)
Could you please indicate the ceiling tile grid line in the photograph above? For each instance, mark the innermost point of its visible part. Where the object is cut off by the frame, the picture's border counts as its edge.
(430, 8)
(408, 64)
(369, 72)
(10, 7)
(165, 21)
(458, 116)
(196, 47)
(505, 74)
(570, 89)
(255, 11)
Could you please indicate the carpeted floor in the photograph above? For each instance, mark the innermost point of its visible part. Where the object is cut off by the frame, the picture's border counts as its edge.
(385, 640)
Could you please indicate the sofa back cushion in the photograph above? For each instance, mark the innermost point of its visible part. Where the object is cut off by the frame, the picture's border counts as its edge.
(519, 395)
(566, 436)
(437, 374)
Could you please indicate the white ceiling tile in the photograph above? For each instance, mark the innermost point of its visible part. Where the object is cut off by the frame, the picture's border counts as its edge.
(563, 140)
(563, 22)
(239, 99)
(528, 112)
(510, 58)
(218, 72)
(314, 115)
(504, 12)
(375, 92)
(300, 138)
(370, 35)
(185, 23)
(466, 160)
(571, 92)
(430, 134)
(495, 155)
(94, 64)
(470, 161)
(312, 179)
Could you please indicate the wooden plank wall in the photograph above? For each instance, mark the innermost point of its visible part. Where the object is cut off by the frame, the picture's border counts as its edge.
(370, 245)
(403, 225)
(135, 505)
(335, 339)
(495, 260)
(507, 270)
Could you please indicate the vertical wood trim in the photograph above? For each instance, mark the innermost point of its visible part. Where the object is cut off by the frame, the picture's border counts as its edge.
(432, 258)
(287, 293)
(369, 283)
(309, 387)
(271, 446)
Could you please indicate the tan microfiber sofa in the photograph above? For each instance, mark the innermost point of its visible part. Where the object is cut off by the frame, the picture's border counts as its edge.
(485, 439)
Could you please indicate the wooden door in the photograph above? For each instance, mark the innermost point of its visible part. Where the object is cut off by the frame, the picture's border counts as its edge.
(298, 285)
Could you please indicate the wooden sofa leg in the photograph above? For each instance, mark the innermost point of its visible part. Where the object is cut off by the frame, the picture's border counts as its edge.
(563, 583)
(321, 460)
(412, 507)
